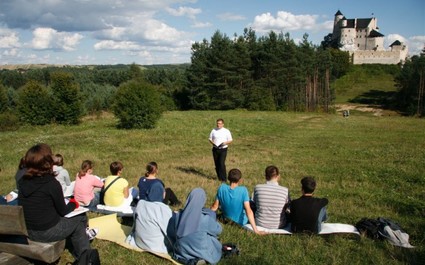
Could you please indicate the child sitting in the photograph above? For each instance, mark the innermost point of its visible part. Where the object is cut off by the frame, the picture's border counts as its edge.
(234, 201)
(85, 183)
(119, 194)
(62, 175)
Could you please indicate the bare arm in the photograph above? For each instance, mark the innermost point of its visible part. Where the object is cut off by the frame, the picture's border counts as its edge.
(215, 205)
(251, 218)
(126, 192)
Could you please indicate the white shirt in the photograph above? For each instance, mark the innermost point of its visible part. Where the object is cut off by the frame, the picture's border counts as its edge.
(218, 136)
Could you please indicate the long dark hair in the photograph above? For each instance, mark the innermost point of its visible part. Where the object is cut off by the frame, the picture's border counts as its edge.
(39, 161)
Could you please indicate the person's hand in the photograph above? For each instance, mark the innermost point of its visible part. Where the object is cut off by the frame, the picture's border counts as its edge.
(221, 145)
(74, 201)
(261, 233)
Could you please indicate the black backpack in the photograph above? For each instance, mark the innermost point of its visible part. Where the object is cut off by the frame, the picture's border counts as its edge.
(368, 227)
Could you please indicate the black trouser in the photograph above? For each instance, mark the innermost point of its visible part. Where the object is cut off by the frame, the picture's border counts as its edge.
(219, 162)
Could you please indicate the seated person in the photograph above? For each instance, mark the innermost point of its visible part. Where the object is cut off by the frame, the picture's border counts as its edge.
(151, 219)
(271, 201)
(233, 201)
(62, 175)
(41, 198)
(119, 194)
(145, 184)
(194, 231)
(307, 212)
(12, 197)
(85, 184)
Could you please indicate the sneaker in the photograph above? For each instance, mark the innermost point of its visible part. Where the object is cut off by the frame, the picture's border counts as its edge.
(91, 233)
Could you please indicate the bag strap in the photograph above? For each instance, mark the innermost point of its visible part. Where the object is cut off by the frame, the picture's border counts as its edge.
(110, 184)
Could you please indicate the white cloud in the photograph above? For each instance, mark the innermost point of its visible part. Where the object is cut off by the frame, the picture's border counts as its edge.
(285, 21)
(8, 39)
(184, 11)
(201, 25)
(48, 38)
(230, 17)
(416, 44)
(116, 45)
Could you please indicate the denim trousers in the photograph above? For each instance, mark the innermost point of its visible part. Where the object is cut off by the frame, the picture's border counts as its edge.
(72, 229)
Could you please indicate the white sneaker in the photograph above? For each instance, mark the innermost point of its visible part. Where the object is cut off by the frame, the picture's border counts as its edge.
(91, 233)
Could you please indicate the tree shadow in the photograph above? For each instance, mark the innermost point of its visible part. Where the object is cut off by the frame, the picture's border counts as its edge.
(385, 99)
(192, 170)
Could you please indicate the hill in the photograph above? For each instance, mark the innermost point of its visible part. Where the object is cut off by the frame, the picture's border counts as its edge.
(366, 166)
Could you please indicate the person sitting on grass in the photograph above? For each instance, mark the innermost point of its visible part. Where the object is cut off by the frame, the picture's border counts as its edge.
(151, 220)
(62, 175)
(85, 183)
(150, 181)
(119, 194)
(307, 212)
(233, 200)
(271, 201)
(194, 232)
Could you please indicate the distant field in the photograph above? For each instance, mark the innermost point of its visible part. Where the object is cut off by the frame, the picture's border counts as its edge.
(366, 166)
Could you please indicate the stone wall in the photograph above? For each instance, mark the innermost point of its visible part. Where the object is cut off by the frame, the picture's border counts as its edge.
(378, 57)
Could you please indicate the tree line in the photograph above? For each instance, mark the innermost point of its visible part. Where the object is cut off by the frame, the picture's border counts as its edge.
(270, 72)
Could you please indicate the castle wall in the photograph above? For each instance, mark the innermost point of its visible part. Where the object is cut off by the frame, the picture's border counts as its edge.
(378, 57)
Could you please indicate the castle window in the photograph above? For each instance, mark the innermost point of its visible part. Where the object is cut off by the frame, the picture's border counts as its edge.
(358, 45)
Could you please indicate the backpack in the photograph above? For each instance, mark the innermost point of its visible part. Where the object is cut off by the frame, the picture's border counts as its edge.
(89, 257)
(392, 231)
(368, 227)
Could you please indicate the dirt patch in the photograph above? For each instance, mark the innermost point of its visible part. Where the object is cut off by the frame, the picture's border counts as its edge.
(374, 110)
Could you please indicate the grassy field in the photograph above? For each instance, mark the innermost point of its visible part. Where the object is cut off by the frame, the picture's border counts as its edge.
(366, 166)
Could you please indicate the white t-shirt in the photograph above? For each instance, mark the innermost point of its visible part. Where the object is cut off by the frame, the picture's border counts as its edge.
(218, 136)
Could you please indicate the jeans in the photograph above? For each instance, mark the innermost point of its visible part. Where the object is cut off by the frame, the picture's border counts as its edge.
(219, 156)
(323, 216)
(72, 229)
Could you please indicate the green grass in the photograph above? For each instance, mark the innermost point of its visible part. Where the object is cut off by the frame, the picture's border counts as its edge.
(366, 167)
(361, 81)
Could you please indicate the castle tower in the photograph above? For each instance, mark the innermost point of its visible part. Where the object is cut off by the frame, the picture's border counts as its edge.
(337, 25)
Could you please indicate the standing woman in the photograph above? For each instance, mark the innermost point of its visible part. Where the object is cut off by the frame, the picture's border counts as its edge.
(194, 231)
(41, 197)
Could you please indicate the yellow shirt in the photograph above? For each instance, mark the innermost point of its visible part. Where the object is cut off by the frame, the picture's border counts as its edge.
(114, 196)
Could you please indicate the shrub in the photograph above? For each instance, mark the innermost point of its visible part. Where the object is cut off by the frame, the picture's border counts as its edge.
(67, 104)
(8, 122)
(34, 104)
(4, 101)
(137, 104)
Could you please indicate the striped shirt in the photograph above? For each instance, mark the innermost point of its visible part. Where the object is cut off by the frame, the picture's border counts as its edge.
(271, 201)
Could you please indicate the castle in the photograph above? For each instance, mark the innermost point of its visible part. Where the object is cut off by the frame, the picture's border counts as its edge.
(362, 39)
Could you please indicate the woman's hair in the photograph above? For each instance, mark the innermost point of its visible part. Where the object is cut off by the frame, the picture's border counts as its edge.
(115, 167)
(85, 166)
(58, 160)
(39, 161)
(21, 163)
(271, 172)
(151, 168)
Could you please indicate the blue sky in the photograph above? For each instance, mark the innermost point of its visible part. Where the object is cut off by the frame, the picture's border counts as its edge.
(80, 32)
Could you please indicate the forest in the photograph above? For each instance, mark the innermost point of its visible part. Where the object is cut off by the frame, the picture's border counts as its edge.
(271, 72)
